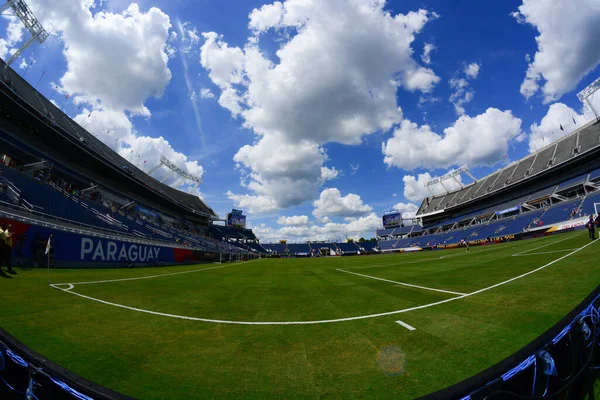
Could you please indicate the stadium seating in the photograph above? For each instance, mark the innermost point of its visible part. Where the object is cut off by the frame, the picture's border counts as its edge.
(573, 182)
(559, 212)
(298, 249)
(65, 125)
(587, 206)
(565, 149)
(348, 248)
(276, 248)
(384, 232)
(540, 194)
(60, 205)
(56, 202)
(369, 247)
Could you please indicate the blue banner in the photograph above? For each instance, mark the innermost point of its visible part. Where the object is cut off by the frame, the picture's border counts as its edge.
(515, 208)
(147, 212)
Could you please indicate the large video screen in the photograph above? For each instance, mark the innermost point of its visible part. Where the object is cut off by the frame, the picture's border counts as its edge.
(392, 220)
(236, 220)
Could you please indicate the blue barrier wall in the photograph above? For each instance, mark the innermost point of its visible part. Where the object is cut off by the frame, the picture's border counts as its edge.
(70, 249)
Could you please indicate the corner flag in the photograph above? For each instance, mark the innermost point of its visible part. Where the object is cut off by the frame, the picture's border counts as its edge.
(48, 245)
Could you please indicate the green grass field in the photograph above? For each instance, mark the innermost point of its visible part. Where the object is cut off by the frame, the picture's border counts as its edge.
(310, 328)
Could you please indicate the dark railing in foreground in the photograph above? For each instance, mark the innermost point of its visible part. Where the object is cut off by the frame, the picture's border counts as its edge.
(563, 363)
(26, 375)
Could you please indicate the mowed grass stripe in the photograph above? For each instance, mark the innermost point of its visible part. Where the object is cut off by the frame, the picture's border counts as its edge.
(271, 292)
(270, 310)
(478, 269)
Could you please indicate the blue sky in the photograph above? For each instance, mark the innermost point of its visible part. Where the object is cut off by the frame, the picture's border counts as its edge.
(486, 94)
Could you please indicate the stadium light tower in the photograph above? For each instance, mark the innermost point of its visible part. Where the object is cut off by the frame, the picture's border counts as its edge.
(22, 11)
(586, 94)
(452, 175)
(174, 169)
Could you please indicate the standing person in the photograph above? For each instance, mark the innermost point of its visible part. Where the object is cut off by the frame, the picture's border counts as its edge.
(591, 227)
(3, 228)
(597, 223)
(465, 244)
(6, 238)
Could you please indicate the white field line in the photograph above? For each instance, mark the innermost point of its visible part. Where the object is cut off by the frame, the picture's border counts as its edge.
(395, 264)
(543, 252)
(401, 283)
(70, 286)
(325, 321)
(474, 251)
(546, 245)
(407, 326)
(146, 277)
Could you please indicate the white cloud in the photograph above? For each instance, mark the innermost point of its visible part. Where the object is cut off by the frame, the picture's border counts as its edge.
(462, 94)
(408, 210)
(114, 60)
(23, 63)
(266, 17)
(295, 220)
(568, 41)
(206, 94)
(479, 140)
(548, 130)
(317, 89)
(280, 173)
(415, 190)
(427, 49)
(331, 203)
(108, 126)
(472, 70)
(186, 41)
(357, 228)
(224, 63)
(4, 47)
(253, 204)
(14, 34)
(328, 174)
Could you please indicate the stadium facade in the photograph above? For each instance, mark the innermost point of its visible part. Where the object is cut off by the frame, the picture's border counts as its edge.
(101, 210)
(553, 189)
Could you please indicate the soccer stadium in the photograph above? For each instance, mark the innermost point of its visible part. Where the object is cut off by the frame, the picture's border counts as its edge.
(117, 284)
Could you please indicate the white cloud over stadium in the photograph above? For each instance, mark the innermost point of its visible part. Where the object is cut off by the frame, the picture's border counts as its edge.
(331, 83)
(115, 62)
(568, 39)
(479, 140)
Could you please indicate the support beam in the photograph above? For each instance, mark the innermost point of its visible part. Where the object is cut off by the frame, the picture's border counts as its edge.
(91, 189)
(585, 95)
(31, 23)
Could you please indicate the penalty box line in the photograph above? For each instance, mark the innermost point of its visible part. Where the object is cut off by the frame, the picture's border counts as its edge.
(402, 283)
(454, 255)
(546, 245)
(326, 321)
